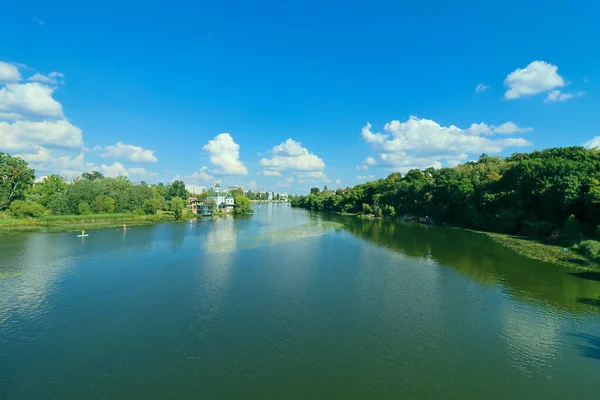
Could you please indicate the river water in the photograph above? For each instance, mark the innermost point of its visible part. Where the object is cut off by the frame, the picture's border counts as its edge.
(289, 304)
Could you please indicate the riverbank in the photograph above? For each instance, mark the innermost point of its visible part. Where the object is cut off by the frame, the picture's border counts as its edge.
(73, 223)
(536, 250)
(526, 246)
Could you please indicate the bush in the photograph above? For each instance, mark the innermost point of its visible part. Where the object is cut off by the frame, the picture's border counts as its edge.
(84, 208)
(21, 209)
(139, 211)
(589, 248)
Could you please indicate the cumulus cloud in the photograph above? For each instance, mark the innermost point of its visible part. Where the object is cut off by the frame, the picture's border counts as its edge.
(117, 169)
(367, 162)
(537, 77)
(25, 135)
(224, 154)
(481, 87)
(291, 156)
(593, 143)
(129, 152)
(422, 143)
(9, 73)
(252, 184)
(338, 181)
(57, 161)
(33, 126)
(509, 128)
(29, 101)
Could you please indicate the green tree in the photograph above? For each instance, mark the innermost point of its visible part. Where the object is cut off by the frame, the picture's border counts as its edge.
(22, 209)
(108, 205)
(177, 205)
(92, 176)
(151, 206)
(176, 189)
(15, 178)
(84, 208)
(243, 205)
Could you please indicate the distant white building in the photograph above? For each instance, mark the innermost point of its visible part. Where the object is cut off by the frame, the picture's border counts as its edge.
(40, 179)
(270, 196)
(222, 199)
(194, 189)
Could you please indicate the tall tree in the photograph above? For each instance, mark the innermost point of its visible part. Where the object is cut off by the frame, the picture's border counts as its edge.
(15, 178)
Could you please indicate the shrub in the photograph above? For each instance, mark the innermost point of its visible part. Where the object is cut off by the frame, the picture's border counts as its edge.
(589, 248)
(139, 211)
(21, 209)
(84, 208)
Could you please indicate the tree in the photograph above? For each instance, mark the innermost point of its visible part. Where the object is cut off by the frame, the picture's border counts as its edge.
(151, 206)
(92, 176)
(15, 178)
(315, 190)
(21, 209)
(108, 205)
(176, 189)
(177, 205)
(84, 208)
(243, 205)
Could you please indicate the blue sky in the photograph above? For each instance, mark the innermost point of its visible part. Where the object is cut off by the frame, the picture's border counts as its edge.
(149, 89)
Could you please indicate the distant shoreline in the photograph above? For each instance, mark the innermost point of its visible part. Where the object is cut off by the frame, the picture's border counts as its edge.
(75, 223)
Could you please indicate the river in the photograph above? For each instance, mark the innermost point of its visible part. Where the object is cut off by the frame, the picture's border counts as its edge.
(289, 304)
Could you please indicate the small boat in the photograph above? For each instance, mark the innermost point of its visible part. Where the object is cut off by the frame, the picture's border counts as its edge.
(86, 235)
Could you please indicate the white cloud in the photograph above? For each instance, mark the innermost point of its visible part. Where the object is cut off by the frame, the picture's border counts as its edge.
(224, 154)
(311, 174)
(117, 169)
(510, 128)
(367, 162)
(371, 137)
(537, 77)
(25, 135)
(557, 95)
(266, 172)
(129, 152)
(29, 101)
(422, 143)
(252, 185)
(365, 177)
(591, 144)
(291, 156)
(52, 78)
(338, 181)
(9, 73)
(481, 87)
(35, 127)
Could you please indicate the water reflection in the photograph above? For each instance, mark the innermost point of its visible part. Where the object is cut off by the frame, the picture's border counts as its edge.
(34, 264)
(532, 336)
(480, 258)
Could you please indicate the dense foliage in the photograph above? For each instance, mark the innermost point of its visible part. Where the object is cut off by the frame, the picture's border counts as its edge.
(550, 192)
(92, 193)
(15, 178)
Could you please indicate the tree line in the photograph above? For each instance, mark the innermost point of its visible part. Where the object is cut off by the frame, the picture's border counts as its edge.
(549, 193)
(91, 193)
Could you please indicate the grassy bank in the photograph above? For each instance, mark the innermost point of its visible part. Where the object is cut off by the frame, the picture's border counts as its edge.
(550, 253)
(71, 223)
